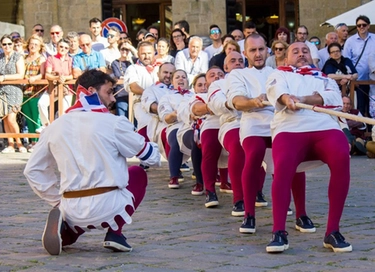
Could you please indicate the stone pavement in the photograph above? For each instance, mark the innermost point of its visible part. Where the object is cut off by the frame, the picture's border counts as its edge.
(173, 231)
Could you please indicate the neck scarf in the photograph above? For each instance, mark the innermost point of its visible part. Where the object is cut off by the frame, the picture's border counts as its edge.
(87, 102)
(340, 66)
(304, 70)
(181, 91)
(149, 68)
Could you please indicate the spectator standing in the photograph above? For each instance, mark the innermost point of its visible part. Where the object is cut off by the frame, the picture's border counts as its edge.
(277, 59)
(119, 67)
(39, 30)
(88, 58)
(282, 34)
(323, 53)
(73, 38)
(162, 50)
(230, 45)
(185, 28)
(192, 59)
(12, 67)
(98, 41)
(34, 70)
(178, 41)
(237, 35)
(301, 36)
(111, 52)
(358, 49)
(342, 31)
(154, 31)
(217, 45)
(56, 34)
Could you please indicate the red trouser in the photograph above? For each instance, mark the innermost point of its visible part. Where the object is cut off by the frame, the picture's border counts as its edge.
(289, 150)
(137, 186)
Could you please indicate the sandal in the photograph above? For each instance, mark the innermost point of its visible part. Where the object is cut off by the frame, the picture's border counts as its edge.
(8, 150)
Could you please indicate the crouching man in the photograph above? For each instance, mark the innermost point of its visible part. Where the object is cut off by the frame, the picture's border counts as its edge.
(96, 189)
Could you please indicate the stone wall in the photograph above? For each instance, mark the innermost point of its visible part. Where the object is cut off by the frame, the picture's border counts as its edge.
(314, 12)
(71, 15)
(200, 14)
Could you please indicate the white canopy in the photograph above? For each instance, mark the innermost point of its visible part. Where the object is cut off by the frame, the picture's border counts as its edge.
(349, 17)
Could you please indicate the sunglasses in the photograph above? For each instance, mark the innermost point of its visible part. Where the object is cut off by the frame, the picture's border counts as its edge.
(85, 44)
(124, 49)
(362, 25)
(279, 48)
(63, 47)
(15, 37)
(215, 31)
(55, 33)
(110, 36)
(9, 44)
(315, 42)
(39, 30)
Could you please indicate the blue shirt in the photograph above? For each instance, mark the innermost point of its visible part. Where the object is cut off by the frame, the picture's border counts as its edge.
(352, 50)
(83, 61)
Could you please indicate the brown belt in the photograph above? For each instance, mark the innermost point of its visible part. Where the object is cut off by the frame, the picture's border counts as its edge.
(88, 192)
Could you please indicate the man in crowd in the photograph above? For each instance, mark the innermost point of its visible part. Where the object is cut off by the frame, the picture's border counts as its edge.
(237, 34)
(301, 36)
(193, 59)
(185, 28)
(217, 46)
(39, 30)
(358, 49)
(249, 29)
(96, 189)
(73, 38)
(98, 42)
(111, 53)
(300, 135)
(56, 33)
(154, 31)
(323, 53)
(342, 33)
(88, 58)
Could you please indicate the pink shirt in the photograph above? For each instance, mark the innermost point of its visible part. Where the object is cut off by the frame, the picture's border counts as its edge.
(63, 67)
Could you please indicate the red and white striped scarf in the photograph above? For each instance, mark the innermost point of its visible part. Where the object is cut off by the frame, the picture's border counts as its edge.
(304, 70)
(87, 102)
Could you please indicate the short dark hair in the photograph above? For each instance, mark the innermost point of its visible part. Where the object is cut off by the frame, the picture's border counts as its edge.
(215, 26)
(152, 26)
(226, 36)
(184, 24)
(363, 18)
(93, 78)
(250, 25)
(282, 30)
(94, 20)
(335, 44)
(303, 26)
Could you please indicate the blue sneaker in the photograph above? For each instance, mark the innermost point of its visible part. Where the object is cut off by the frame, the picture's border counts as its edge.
(279, 242)
(184, 167)
(116, 242)
(337, 243)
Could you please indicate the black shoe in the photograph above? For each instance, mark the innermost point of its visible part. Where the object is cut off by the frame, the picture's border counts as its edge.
(145, 167)
(248, 224)
(260, 201)
(116, 242)
(211, 199)
(238, 209)
(304, 224)
(279, 242)
(337, 242)
(51, 238)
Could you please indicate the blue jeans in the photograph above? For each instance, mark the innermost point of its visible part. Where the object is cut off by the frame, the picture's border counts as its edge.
(122, 108)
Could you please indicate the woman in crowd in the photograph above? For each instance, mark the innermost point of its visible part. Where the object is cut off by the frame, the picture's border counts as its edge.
(12, 67)
(119, 67)
(178, 41)
(338, 67)
(58, 70)
(229, 45)
(278, 57)
(282, 34)
(34, 70)
(167, 110)
(163, 52)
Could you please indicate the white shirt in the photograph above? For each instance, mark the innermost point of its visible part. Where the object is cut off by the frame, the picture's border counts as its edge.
(90, 150)
(138, 74)
(100, 44)
(212, 51)
(251, 82)
(302, 120)
(110, 54)
(313, 50)
(323, 56)
(184, 62)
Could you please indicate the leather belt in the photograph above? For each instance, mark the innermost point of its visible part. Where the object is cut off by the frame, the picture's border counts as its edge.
(89, 192)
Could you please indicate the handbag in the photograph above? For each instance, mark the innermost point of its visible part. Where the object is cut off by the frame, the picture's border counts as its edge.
(4, 111)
